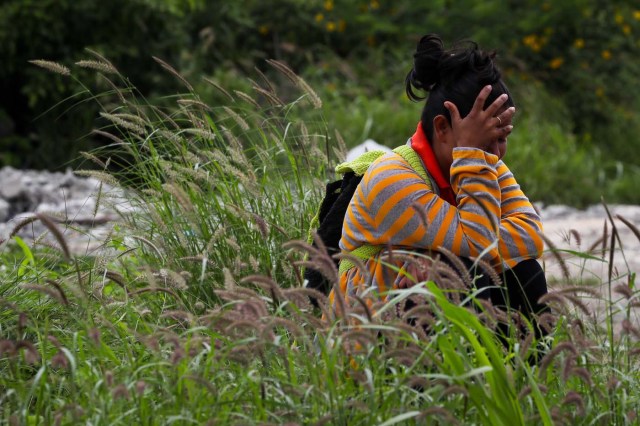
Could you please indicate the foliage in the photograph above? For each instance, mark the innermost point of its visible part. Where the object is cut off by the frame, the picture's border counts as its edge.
(40, 135)
(583, 51)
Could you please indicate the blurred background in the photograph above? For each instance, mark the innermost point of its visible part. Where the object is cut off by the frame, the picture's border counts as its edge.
(573, 67)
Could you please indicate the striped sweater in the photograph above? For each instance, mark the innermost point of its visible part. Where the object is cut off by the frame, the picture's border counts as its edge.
(490, 207)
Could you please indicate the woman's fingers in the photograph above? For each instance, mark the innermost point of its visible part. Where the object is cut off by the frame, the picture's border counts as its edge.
(413, 274)
(506, 117)
(478, 105)
(453, 111)
(495, 106)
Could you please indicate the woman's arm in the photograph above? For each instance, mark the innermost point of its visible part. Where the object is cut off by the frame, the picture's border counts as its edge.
(520, 225)
(393, 203)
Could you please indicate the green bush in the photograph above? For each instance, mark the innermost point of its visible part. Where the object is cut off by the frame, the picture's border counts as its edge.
(129, 32)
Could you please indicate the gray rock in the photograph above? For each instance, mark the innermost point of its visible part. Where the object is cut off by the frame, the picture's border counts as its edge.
(4, 210)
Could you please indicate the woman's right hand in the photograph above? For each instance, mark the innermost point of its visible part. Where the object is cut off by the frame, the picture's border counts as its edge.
(481, 126)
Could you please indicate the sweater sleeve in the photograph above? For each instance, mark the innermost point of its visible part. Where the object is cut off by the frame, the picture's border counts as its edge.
(520, 225)
(394, 206)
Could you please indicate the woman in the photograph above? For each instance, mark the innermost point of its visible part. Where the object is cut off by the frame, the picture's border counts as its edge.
(471, 204)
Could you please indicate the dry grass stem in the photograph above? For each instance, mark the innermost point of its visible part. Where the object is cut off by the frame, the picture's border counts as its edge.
(100, 58)
(110, 136)
(630, 225)
(89, 156)
(55, 294)
(116, 278)
(556, 254)
(247, 98)
(194, 103)
(173, 71)
(449, 418)
(265, 80)
(20, 225)
(98, 175)
(548, 358)
(312, 95)
(269, 96)
(237, 118)
(120, 121)
(51, 66)
(150, 244)
(103, 67)
(53, 228)
(219, 88)
(205, 134)
(284, 70)
(576, 236)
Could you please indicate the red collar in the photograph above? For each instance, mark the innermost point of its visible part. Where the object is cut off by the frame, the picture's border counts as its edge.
(421, 145)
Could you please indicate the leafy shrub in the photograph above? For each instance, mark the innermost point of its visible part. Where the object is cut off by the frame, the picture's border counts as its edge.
(60, 30)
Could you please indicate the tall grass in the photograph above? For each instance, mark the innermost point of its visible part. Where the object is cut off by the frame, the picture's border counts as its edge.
(194, 312)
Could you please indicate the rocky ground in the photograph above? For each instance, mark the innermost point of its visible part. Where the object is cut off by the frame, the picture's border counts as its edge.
(71, 200)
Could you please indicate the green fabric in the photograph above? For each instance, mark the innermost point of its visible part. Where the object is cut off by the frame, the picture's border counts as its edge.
(367, 251)
(412, 157)
(360, 165)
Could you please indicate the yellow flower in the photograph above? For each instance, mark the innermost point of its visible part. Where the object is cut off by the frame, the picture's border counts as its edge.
(331, 26)
(263, 29)
(556, 63)
(546, 6)
(328, 5)
(636, 15)
(529, 40)
(319, 17)
(606, 55)
(619, 18)
(599, 92)
(626, 29)
(374, 4)
(342, 25)
(578, 43)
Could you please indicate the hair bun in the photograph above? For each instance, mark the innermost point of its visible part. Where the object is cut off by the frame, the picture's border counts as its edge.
(425, 73)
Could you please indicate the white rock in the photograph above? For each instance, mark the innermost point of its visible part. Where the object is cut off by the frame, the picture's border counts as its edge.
(366, 146)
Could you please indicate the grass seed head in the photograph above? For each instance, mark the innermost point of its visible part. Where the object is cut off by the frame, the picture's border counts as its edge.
(173, 71)
(248, 99)
(103, 67)
(51, 66)
(449, 418)
(53, 293)
(7, 347)
(59, 360)
(560, 347)
(108, 378)
(120, 392)
(140, 387)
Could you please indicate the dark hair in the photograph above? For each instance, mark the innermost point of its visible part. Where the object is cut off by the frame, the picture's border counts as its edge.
(456, 75)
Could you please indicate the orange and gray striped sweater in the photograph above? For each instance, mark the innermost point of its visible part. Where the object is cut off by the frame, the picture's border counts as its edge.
(383, 212)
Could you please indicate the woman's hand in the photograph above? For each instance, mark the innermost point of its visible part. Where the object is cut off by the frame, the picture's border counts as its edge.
(481, 126)
(416, 271)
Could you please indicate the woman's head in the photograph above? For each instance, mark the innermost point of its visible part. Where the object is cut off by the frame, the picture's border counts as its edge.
(456, 75)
